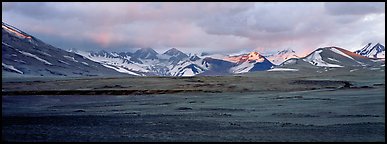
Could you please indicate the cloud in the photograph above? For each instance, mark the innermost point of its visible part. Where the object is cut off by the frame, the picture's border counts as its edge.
(197, 27)
(42, 11)
(354, 8)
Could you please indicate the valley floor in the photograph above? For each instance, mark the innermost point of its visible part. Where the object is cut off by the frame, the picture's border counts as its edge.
(263, 106)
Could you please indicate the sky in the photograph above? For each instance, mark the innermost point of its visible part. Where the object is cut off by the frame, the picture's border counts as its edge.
(225, 28)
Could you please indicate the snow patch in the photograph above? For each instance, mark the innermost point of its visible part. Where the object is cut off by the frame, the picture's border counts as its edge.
(114, 54)
(188, 72)
(316, 59)
(11, 68)
(242, 68)
(178, 70)
(46, 54)
(63, 62)
(85, 63)
(6, 44)
(121, 70)
(71, 58)
(116, 61)
(20, 61)
(353, 70)
(333, 59)
(36, 57)
(381, 55)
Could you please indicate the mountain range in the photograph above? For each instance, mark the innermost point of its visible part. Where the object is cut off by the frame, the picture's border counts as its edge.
(24, 54)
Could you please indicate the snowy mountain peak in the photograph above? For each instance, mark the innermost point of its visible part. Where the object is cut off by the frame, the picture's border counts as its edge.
(173, 52)
(281, 56)
(145, 53)
(175, 55)
(250, 57)
(285, 51)
(372, 51)
(255, 56)
(146, 50)
(252, 61)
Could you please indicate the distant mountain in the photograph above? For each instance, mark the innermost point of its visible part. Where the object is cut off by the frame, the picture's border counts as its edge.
(143, 62)
(217, 66)
(145, 53)
(281, 56)
(176, 63)
(375, 51)
(23, 54)
(175, 55)
(194, 58)
(336, 57)
(196, 65)
(189, 67)
(175, 52)
(123, 62)
(331, 57)
(252, 61)
(103, 53)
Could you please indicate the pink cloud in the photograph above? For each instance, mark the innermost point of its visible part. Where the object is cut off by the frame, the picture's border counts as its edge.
(104, 39)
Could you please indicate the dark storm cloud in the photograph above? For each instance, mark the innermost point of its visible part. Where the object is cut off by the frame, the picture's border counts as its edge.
(197, 27)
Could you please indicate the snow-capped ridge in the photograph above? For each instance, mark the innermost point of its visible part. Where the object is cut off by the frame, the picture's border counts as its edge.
(174, 52)
(334, 57)
(281, 56)
(376, 51)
